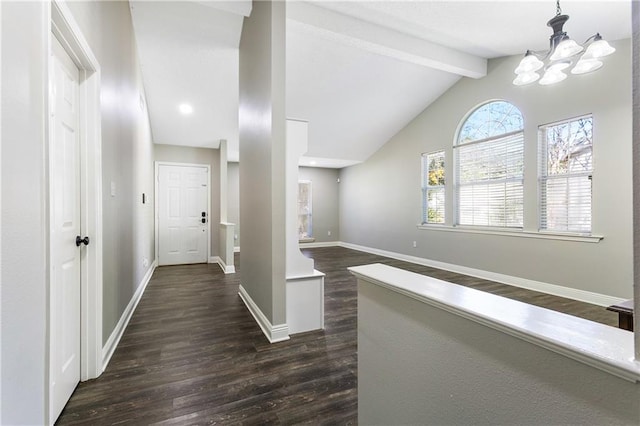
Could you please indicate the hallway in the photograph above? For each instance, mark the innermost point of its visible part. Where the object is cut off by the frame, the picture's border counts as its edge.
(192, 353)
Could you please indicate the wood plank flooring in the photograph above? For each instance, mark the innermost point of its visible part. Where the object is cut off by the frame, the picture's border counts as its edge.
(192, 353)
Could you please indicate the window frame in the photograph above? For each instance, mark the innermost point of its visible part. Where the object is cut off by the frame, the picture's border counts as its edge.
(458, 145)
(309, 214)
(426, 187)
(543, 176)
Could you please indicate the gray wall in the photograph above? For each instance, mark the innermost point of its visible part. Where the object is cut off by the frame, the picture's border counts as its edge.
(233, 198)
(210, 157)
(420, 364)
(126, 160)
(380, 200)
(262, 157)
(324, 188)
(325, 200)
(127, 155)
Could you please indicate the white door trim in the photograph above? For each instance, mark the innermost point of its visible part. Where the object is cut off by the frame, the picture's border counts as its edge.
(155, 203)
(66, 30)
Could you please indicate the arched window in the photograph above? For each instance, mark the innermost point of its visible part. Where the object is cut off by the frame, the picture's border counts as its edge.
(489, 153)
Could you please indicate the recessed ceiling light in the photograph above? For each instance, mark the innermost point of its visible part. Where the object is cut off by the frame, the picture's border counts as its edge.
(185, 109)
(313, 162)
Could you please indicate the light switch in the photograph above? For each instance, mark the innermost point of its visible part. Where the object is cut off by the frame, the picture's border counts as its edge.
(113, 189)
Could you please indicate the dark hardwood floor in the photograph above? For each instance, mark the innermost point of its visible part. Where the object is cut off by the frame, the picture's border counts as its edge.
(192, 353)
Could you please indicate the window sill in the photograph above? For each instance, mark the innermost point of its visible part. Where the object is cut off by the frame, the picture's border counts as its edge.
(306, 240)
(515, 233)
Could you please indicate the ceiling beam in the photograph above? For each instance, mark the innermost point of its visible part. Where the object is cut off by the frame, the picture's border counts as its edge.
(237, 7)
(334, 26)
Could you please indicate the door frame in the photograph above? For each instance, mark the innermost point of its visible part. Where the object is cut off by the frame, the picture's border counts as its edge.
(64, 27)
(156, 210)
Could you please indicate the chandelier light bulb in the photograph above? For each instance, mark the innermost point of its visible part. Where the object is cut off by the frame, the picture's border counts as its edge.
(552, 77)
(600, 48)
(529, 63)
(586, 65)
(526, 78)
(558, 66)
(566, 49)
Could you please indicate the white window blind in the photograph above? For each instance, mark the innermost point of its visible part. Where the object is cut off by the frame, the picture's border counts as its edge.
(490, 182)
(433, 187)
(489, 159)
(566, 171)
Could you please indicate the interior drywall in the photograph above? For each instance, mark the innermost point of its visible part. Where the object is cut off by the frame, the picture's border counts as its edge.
(233, 198)
(262, 157)
(210, 157)
(127, 155)
(417, 361)
(24, 217)
(380, 200)
(325, 202)
(636, 170)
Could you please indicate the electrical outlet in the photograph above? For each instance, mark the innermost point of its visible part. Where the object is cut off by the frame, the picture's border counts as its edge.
(329, 233)
(145, 262)
(415, 244)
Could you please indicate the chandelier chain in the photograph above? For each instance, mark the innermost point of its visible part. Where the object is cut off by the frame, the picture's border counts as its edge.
(558, 9)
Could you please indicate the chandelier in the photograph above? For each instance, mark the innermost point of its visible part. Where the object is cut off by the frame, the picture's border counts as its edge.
(561, 55)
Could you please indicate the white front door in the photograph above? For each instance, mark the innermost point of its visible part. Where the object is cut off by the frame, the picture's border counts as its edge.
(64, 152)
(183, 216)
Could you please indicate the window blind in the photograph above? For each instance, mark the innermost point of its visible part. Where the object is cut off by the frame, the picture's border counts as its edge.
(566, 172)
(489, 181)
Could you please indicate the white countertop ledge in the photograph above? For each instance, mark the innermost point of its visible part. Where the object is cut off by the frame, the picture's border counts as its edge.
(607, 348)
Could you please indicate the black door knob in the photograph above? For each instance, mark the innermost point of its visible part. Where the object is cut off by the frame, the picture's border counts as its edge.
(204, 220)
(84, 241)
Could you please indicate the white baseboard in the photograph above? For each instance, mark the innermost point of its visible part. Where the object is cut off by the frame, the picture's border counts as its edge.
(320, 244)
(227, 269)
(273, 333)
(556, 290)
(112, 343)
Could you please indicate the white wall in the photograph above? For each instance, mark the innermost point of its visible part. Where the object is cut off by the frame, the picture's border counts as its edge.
(24, 213)
(325, 201)
(262, 157)
(420, 364)
(210, 157)
(127, 160)
(380, 200)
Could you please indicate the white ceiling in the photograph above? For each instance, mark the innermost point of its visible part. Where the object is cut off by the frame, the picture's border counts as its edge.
(357, 71)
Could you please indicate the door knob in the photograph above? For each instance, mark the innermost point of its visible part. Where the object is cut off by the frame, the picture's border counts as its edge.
(203, 220)
(84, 241)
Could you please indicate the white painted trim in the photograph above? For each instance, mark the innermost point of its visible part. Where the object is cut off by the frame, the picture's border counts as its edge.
(320, 244)
(600, 346)
(556, 290)
(62, 25)
(273, 333)
(112, 343)
(514, 233)
(155, 203)
(227, 269)
(236, 249)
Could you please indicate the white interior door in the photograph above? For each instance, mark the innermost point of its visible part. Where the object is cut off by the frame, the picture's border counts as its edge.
(65, 227)
(183, 217)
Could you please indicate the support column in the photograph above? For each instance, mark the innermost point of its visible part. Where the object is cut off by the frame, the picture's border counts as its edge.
(262, 164)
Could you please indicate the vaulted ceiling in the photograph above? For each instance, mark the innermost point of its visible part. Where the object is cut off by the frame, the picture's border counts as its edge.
(357, 71)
